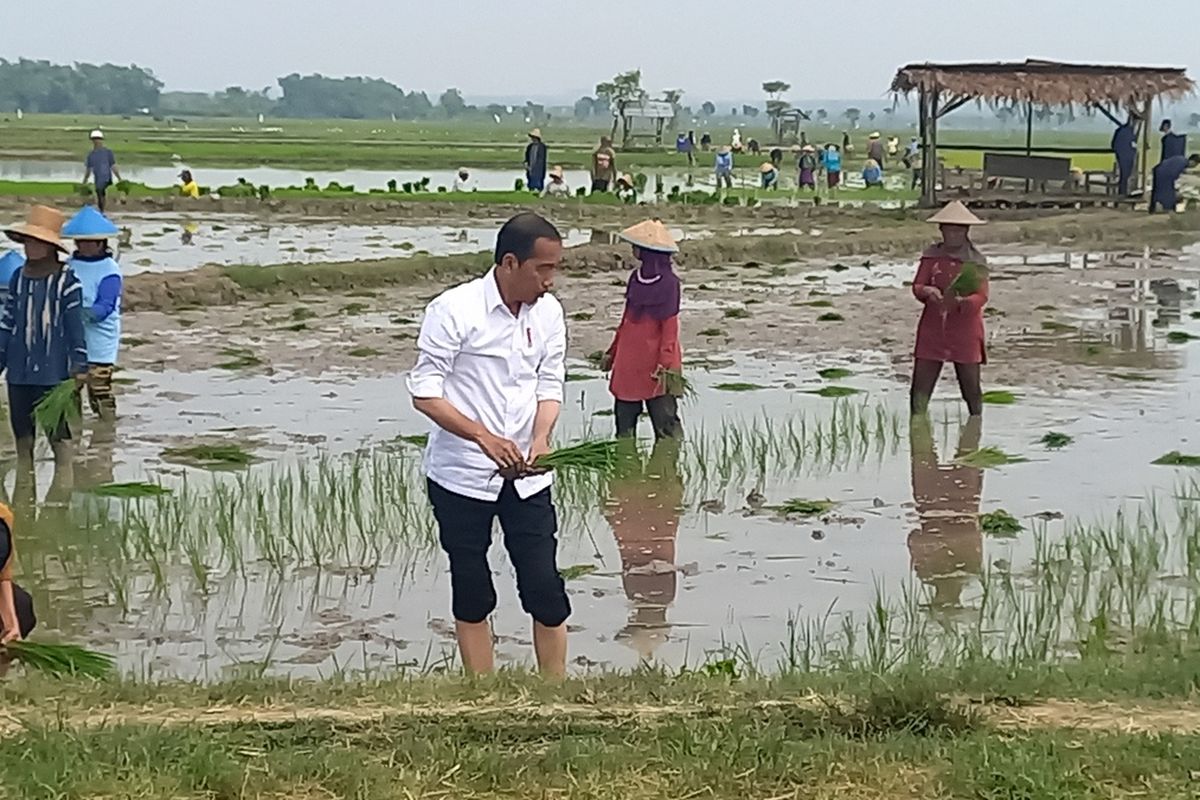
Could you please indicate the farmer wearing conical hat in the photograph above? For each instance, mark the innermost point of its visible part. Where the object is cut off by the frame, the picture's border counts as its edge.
(100, 280)
(807, 163)
(489, 375)
(536, 158)
(41, 330)
(951, 326)
(646, 344)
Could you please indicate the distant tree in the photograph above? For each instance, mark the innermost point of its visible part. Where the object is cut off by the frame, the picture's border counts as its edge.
(623, 90)
(822, 115)
(349, 98)
(749, 111)
(452, 103)
(708, 108)
(40, 86)
(775, 89)
(889, 112)
(584, 107)
(871, 116)
(852, 116)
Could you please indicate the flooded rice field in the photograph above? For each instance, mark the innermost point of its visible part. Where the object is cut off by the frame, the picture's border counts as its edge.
(319, 555)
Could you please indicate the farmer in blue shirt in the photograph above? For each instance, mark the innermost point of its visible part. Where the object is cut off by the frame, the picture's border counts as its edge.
(1173, 144)
(1124, 147)
(41, 331)
(100, 279)
(102, 165)
(1166, 173)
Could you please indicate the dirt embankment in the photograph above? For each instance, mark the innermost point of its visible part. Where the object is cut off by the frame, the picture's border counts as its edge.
(827, 237)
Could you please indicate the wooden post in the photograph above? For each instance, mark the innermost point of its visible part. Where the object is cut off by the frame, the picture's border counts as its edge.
(929, 115)
(1142, 169)
(1028, 138)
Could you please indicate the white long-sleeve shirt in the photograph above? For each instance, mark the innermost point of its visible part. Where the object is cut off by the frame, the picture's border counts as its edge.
(494, 368)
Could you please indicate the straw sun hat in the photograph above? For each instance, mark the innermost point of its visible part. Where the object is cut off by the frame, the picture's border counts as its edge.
(955, 213)
(556, 172)
(43, 223)
(536, 133)
(650, 235)
(766, 167)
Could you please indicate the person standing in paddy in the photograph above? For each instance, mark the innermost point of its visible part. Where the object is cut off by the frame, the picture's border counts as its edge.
(536, 157)
(951, 326)
(489, 374)
(41, 331)
(100, 279)
(101, 165)
(647, 340)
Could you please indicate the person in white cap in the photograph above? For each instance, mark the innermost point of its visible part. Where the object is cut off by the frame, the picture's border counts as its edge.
(951, 326)
(100, 164)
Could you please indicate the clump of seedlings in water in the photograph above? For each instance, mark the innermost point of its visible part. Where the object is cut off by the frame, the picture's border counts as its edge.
(831, 316)
(800, 507)
(988, 457)
(834, 391)
(1177, 459)
(1133, 377)
(1055, 440)
(576, 571)
(834, 373)
(574, 377)
(582, 316)
(736, 313)
(134, 341)
(1057, 327)
(354, 309)
(209, 455)
(131, 489)
(415, 439)
(364, 352)
(737, 386)
(1180, 337)
(711, 332)
(818, 303)
(238, 358)
(1000, 523)
(1045, 308)
(1000, 397)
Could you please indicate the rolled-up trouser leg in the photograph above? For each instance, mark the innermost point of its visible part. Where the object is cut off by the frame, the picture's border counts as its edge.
(529, 527)
(465, 532)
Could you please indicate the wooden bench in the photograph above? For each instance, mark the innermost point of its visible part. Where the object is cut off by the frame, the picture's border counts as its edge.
(1039, 170)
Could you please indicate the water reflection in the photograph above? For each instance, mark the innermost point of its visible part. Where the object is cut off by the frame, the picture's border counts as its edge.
(947, 547)
(645, 504)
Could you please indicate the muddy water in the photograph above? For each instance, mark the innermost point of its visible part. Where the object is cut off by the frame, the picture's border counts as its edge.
(686, 551)
(169, 243)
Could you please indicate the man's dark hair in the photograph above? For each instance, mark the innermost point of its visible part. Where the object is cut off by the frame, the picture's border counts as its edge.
(520, 234)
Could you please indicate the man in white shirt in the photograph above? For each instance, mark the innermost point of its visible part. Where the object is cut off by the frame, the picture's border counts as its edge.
(490, 374)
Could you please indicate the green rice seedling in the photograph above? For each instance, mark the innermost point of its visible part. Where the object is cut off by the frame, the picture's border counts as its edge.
(600, 456)
(59, 406)
(295, 327)
(61, 660)
(574, 377)
(969, 279)
(1045, 308)
(416, 439)
(711, 332)
(209, 455)
(302, 313)
(576, 571)
(1000, 523)
(596, 358)
(131, 489)
(834, 373)
(988, 457)
(1000, 397)
(834, 391)
(675, 383)
(364, 352)
(1055, 440)
(1133, 377)
(354, 309)
(1177, 459)
(736, 313)
(238, 358)
(805, 508)
(1180, 337)
(831, 316)
(818, 303)
(582, 316)
(134, 341)
(736, 386)
(1057, 327)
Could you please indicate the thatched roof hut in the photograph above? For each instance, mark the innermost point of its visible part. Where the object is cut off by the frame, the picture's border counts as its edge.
(1047, 83)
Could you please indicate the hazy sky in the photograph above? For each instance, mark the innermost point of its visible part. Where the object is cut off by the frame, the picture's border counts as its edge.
(713, 49)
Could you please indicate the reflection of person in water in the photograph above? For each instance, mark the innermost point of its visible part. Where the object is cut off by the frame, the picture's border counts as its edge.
(644, 514)
(947, 548)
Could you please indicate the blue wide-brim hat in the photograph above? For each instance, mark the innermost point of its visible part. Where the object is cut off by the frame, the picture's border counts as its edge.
(89, 224)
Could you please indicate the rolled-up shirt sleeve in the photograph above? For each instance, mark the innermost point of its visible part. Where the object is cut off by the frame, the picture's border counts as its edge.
(437, 347)
(552, 372)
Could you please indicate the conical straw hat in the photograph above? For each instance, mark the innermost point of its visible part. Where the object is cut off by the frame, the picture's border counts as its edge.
(651, 235)
(766, 167)
(44, 224)
(955, 213)
(89, 223)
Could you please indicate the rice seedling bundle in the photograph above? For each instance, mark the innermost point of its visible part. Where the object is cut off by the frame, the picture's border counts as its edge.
(1055, 440)
(61, 404)
(594, 456)
(1000, 523)
(675, 383)
(987, 457)
(969, 280)
(61, 659)
(133, 489)
(806, 508)
(999, 397)
(1177, 459)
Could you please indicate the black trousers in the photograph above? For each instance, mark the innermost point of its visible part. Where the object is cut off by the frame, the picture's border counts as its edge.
(663, 411)
(26, 619)
(600, 185)
(101, 195)
(529, 526)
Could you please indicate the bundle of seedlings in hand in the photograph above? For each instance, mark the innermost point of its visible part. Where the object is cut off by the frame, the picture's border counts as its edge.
(60, 405)
(61, 659)
(970, 279)
(674, 383)
(595, 456)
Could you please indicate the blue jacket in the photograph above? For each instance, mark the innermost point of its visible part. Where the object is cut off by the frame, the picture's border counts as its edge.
(41, 331)
(10, 262)
(100, 281)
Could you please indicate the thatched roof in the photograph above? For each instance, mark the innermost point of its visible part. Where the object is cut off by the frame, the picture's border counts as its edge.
(1047, 82)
